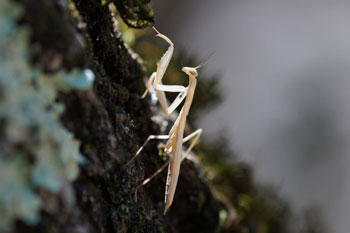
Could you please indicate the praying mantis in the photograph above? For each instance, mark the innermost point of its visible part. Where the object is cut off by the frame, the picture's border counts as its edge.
(175, 138)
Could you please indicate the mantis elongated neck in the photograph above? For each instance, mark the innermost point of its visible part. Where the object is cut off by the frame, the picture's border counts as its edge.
(190, 93)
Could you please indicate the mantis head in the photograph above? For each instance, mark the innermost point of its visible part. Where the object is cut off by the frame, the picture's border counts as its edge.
(190, 71)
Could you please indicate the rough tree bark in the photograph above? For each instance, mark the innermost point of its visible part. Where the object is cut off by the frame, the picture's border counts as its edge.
(110, 120)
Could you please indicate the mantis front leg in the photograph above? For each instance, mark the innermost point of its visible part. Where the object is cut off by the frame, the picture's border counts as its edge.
(160, 92)
(156, 80)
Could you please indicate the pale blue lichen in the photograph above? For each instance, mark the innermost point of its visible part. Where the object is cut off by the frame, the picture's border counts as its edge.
(35, 149)
(75, 79)
(17, 198)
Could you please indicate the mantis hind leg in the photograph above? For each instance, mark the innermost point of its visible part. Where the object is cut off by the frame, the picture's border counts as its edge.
(146, 181)
(150, 137)
(195, 134)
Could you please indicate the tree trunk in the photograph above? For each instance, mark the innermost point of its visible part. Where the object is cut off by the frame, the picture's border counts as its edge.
(111, 121)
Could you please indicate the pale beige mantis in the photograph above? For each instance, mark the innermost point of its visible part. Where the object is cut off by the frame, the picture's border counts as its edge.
(175, 137)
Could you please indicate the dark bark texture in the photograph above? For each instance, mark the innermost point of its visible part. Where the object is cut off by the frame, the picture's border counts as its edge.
(111, 121)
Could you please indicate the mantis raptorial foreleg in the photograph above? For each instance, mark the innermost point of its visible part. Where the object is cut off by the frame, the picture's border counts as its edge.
(156, 80)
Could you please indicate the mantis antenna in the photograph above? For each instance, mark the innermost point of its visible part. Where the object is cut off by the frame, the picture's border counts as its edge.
(205, 60)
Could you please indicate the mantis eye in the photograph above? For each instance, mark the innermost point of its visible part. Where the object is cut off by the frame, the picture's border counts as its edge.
(193, 73)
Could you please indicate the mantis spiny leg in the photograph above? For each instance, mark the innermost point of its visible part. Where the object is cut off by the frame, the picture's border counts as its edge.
(150, 137)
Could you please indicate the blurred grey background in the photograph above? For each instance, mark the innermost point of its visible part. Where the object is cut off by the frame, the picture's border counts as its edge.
(285, 74)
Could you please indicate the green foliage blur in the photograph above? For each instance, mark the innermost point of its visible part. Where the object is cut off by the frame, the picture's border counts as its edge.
(135, 13)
